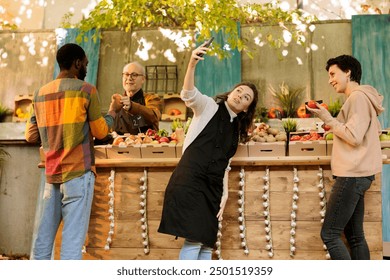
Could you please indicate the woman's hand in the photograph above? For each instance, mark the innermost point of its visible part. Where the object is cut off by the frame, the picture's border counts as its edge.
(197, 54)
(222, 206)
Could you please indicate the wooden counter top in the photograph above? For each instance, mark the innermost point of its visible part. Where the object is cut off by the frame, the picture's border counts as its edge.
(242, 161)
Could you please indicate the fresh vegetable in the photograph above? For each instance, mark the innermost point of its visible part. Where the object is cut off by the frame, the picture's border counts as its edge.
(162, 133)
(176, 123)
(290, 125)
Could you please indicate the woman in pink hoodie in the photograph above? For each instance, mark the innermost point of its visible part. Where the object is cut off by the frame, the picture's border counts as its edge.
(356, 158)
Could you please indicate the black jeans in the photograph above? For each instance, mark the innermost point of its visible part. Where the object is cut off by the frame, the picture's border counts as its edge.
(345, 212)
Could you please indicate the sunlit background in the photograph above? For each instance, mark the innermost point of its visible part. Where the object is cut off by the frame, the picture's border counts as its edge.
(41, 14)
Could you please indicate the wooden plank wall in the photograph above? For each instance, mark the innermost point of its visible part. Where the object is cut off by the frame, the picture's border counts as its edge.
(127, 238)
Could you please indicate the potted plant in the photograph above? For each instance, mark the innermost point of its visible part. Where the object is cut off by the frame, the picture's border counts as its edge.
(3, 112)
(289, 99)
(334, 107)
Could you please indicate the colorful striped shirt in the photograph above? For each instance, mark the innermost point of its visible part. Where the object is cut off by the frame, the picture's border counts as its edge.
(66, 117)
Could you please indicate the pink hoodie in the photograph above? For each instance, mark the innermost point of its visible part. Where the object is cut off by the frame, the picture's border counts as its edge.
(356, 147)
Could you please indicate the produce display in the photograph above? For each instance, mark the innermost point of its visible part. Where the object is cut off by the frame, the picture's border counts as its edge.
(385, 136)
(264, 133)
(150, 137)
(306, 136)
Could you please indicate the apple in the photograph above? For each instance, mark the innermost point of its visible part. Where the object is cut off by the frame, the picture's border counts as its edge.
(384, 137)
(329, 136)
(163, 139)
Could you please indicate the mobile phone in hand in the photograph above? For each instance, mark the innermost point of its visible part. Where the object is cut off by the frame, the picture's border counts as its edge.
(208, 43)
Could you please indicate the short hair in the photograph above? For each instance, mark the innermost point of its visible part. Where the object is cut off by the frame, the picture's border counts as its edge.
(139, 65)
(345, 63)
(67, 54)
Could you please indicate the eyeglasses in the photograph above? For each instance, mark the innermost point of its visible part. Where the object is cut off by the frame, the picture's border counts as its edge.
(132, 76)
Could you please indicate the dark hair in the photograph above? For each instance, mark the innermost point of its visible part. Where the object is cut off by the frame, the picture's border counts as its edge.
(245, 119)
(345, 63)
(67, 54)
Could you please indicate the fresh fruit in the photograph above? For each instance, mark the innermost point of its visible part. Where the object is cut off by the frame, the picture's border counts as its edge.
(301, 112)
(164, 139)
(295, 138)
(312, 104)
(174, 112)
(117, 141)
(384, 137)
(324, 105)
(329, 136)
(325, 127)
(275, 113)
(150, 132)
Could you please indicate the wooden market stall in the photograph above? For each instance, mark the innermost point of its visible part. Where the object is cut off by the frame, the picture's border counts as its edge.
(126, 227)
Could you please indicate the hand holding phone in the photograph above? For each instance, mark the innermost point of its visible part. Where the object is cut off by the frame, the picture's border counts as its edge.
(206, 45)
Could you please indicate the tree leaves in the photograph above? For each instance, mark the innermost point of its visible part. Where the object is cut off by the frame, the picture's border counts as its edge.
(201, 16)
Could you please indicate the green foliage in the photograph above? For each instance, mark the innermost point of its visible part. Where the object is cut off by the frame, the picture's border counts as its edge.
(334, 107)
(261, 114)
(290, 125)
(200, 16)
(5, 25)
(289, 99)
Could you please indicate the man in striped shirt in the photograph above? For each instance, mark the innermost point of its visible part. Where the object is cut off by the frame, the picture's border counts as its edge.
(66, 117)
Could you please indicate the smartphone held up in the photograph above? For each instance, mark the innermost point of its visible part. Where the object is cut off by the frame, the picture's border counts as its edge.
(206, 44)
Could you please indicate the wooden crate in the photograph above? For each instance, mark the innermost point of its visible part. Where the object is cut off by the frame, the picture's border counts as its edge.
(163, 150)
(242, 150)
(131, 151)
(307, 148)
(260, 149)
(385, 146)
(100, 152)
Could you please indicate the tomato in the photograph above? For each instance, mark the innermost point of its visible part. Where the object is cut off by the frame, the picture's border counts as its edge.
(312, 104)
(325, 127)
(306, 137)
(295, 138)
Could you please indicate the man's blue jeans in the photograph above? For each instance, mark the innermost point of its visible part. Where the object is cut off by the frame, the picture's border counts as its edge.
(195, 251)
(71, 202)
(345, 213)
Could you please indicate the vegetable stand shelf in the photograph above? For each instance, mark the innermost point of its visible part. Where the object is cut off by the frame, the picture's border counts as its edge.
(274, 210)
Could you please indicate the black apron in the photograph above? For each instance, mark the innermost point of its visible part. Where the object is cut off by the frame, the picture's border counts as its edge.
(194, 191)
